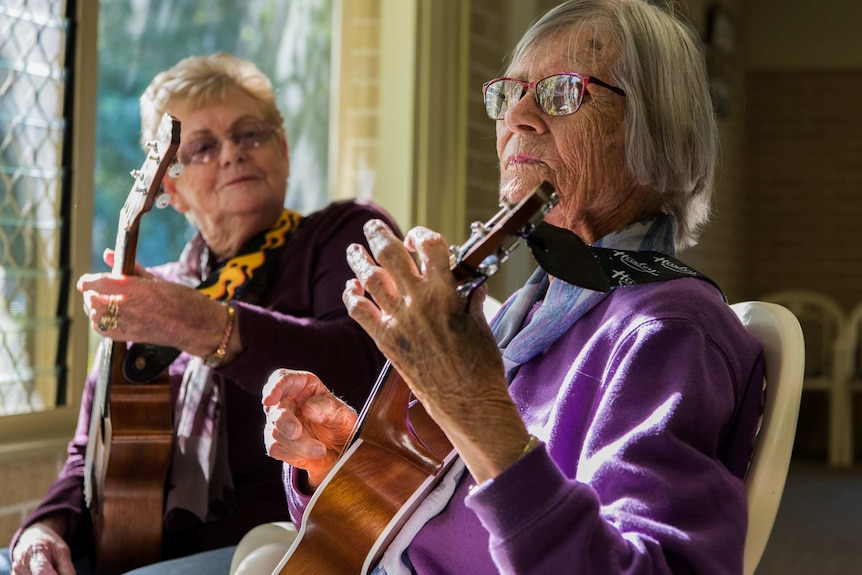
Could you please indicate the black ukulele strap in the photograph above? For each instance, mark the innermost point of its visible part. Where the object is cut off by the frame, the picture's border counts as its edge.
(564, 255)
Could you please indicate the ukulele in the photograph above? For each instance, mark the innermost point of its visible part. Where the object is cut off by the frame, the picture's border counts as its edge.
(397, 453)
(131, 425)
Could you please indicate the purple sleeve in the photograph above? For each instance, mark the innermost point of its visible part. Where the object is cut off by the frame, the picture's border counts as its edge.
(651, 494)
(67, 491)
(297, 500)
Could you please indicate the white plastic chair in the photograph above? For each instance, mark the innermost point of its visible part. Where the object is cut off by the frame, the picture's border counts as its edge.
(824, 324)
(491, 306)
(850, 350)
(780, 334)
(262, 549)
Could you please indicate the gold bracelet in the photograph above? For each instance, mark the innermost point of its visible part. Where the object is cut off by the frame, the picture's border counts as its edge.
(215, 358)
(532, 444)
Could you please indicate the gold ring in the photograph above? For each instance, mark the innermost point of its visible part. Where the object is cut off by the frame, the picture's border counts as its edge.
(114, 305)
(108, 321)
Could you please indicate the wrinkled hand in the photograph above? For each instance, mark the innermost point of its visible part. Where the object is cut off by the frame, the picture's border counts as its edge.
(306, 425)
(443, 349)
(186, 318)
(41, 551)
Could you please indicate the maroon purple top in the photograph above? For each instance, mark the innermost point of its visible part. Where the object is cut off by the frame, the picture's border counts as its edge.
(302, 324)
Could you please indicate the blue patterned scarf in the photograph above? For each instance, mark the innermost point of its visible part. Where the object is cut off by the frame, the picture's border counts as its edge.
(562, 304)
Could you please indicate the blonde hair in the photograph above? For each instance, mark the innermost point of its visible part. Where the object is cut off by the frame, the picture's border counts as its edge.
(204, 80)
(671, 132)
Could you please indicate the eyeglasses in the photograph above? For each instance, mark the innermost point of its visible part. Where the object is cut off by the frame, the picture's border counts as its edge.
(246, 135)
(557, 95)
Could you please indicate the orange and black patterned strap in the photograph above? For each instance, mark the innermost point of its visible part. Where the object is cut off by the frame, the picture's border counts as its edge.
(235, 274)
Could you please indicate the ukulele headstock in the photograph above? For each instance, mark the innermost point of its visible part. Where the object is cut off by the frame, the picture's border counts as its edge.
(161, 154)
(147, 189)
(491, 242)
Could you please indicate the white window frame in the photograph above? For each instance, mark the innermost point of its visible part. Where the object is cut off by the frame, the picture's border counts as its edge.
(47, 431)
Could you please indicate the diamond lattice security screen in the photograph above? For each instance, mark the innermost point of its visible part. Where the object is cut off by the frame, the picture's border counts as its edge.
(34, 99)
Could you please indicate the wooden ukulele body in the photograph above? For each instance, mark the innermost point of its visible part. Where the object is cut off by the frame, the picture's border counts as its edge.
(131, 425)
(378, 483)
(132, 450)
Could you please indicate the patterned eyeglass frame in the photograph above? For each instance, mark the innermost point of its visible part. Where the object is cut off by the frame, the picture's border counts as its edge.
(266, 132)
(584, 79)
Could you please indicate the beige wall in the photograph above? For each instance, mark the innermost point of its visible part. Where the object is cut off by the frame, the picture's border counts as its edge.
(357, 83)
(25, 482)
(804, 34)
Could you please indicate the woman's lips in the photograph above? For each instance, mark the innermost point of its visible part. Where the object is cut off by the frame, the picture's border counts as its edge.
(523, 160)
(240, 180)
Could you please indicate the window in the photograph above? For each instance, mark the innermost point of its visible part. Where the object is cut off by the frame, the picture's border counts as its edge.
(289, 41)
(35, 51)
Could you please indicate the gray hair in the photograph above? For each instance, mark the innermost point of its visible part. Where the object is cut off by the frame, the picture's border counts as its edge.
(204, 80)
(671, 132)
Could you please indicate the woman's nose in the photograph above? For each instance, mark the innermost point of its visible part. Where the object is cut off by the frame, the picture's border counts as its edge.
(525, 115)
(230, 151)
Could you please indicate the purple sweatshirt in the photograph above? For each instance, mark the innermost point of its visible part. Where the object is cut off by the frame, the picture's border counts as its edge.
(647, 408)
(301, 324)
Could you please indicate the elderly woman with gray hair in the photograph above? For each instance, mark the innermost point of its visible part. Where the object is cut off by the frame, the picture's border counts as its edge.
(256, 287)
(602, 432)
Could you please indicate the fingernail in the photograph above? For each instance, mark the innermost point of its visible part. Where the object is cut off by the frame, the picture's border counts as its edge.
(289, 429)
(354, 253)
(373, 226)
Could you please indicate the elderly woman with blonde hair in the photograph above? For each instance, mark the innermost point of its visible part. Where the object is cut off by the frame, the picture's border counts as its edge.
(257, 287)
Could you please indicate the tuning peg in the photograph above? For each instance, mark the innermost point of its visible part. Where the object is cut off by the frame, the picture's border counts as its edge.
(490, 265)
(176, 170)
(163, 200)
(479, 228)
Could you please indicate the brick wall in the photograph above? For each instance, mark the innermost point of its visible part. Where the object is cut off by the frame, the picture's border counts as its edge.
(805, 181)
(721, 251)
(24, 483)
(358, 96)
(490, 43)
(804, 185)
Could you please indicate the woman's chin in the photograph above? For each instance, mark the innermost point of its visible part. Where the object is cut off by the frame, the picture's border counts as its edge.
(516, 189)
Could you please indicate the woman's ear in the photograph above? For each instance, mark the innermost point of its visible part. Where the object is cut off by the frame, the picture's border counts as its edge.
(282, 143)
(285, 151)
(176, 199)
